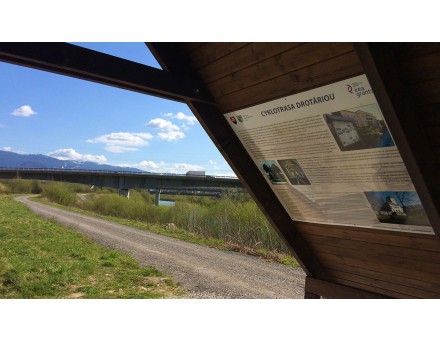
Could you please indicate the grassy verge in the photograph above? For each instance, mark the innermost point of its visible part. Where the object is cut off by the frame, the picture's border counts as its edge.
(231, 222)
(185, 235)
(42, 259)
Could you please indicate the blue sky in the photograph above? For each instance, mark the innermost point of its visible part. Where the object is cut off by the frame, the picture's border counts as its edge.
(68, 118)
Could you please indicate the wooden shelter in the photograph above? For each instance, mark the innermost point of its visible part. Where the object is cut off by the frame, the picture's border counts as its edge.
(268, 108)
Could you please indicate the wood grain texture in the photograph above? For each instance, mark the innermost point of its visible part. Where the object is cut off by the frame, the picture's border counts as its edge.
(330, 71)
(331, 290)
(370, 261)
(291, 60)
(245, 57)
(208, 53)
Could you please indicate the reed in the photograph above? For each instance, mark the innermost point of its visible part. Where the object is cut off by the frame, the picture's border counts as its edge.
(235, 220)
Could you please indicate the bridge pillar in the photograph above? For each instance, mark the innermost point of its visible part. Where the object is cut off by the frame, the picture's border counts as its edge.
(157, 197)
(122, 187)
(124, 192)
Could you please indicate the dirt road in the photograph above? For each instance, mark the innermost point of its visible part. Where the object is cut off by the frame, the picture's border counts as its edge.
(203, 272)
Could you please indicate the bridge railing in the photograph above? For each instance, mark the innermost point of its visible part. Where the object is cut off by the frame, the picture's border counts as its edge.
(107, 172)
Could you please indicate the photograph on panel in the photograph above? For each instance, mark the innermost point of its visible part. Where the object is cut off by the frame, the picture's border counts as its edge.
(359, 128)
(272, 171)
(294, 172)
(398, 207)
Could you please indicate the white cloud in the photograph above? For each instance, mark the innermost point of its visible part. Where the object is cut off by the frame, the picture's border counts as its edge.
(224, 174)
(171, 135)
(177, 168)
(163, 167)
(73, 155)
(184, 167)
(169, 131)
(23, 111)
(8, 148)
(190, 120)
(162, 124)
(151, 165)
(118, 149)
(118, 142)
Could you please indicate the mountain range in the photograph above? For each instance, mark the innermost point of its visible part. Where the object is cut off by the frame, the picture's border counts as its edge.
(15, 160)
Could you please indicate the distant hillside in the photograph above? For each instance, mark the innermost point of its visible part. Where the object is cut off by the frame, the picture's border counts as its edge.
(15, 160)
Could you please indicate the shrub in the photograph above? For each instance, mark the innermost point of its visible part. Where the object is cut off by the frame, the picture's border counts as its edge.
(59, 193)
(235, 218)
(18, 186)
(4, 189)
(36, 188)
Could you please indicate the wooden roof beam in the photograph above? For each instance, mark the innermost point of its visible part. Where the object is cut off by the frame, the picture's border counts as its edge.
(83, 63)
(400, 113)
(234, 152)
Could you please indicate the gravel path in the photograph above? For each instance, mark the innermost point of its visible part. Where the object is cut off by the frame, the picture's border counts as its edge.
(202, 271)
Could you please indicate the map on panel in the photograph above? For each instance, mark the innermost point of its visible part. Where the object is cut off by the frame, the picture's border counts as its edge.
(329, 157)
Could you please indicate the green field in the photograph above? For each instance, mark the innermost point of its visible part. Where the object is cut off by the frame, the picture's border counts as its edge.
(42, 259)
(232, 222)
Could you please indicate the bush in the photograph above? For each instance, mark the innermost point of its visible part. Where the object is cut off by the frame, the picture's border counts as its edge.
(17, 186)
(36, 188)
(4, 189)
(59, 193)
(235, 218)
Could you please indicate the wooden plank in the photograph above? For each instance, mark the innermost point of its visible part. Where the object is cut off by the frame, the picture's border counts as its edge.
(424, 68)
(378, 287)
(208, 53)
(376, 236)
(78, 62)
(432, 133)
(427, 92)
(247, 56)
(308, 295)
(399, 111)
(377, 249)
(407, 51)
(399, 284)
(399, 264)
(330, 71)
(429, 287)
(189, 47)
(429, 114)
(336, 291)
(287, 62)
(384, 264)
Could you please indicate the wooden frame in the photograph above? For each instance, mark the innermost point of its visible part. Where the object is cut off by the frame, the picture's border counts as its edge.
(238, 158)
(337, 259)
(383, 75)
(79, 62)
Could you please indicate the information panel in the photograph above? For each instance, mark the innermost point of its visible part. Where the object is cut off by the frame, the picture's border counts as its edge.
(329, 157)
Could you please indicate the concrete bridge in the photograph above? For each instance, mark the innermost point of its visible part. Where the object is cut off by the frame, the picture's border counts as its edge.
(128, 180)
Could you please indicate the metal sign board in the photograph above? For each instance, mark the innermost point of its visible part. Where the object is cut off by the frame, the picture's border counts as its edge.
(329, 158)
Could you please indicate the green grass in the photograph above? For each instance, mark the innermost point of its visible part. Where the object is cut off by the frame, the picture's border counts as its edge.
(232, 222)
(42, 259)
(185, 235)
